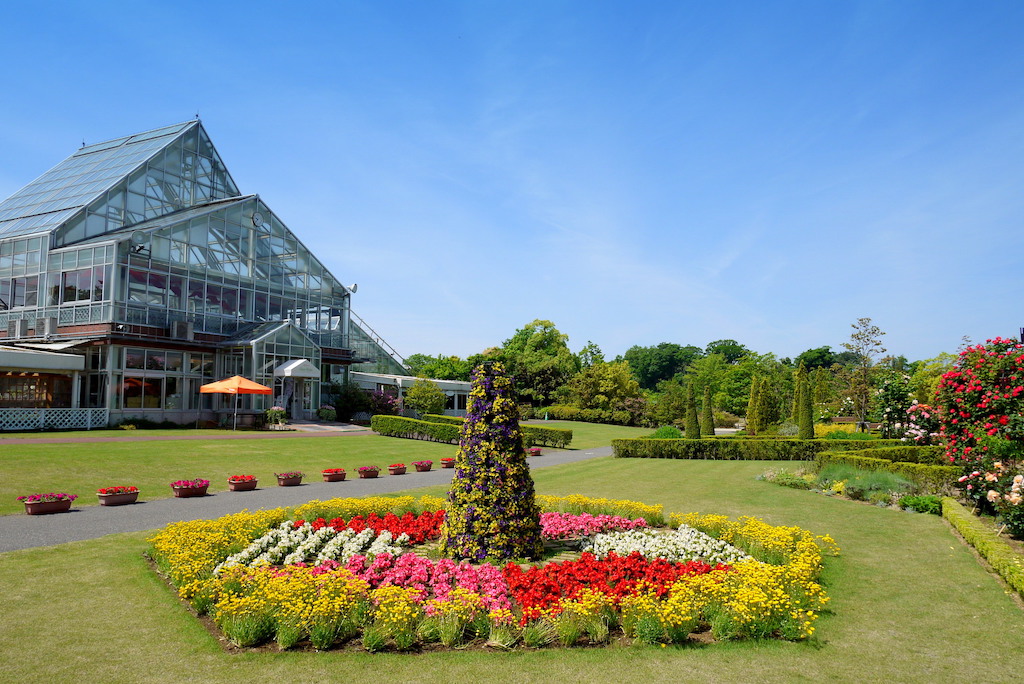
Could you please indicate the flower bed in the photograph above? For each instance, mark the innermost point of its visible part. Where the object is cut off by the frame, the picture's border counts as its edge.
(335, 570)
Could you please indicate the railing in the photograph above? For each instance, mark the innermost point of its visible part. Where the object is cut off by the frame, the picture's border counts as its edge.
(375, 338)
(53, 419)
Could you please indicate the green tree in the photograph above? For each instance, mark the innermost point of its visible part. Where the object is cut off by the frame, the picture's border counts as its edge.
(415, 363)
(492, 513)
(539, 360)
(805, 401)
(603, 386)
(707, 416)
(732, 350)
(893, 400)
(348, 400)
(652, 365)
(446, 368)
(669, 404)
(819, 357)
(590, 355)
(753, 404)
(425, 397)
(692, 423)
(865, 344)
(928, 374)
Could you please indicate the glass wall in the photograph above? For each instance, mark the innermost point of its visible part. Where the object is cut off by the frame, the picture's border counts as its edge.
(161, 379)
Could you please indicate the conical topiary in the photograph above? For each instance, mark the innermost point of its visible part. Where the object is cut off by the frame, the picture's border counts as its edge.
(707, 417)
(692, 424)
(492, 513)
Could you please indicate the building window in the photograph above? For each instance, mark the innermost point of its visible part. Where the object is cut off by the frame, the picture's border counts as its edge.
(15, 292)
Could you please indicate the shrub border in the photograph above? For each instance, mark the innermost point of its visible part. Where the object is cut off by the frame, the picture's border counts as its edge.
(736, 449)
(446, 429)
(1003, 559)
(931, 476)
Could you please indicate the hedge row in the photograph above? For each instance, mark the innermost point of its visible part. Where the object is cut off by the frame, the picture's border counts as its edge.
(935, 478)
(559, 412)
(928, 455)
(993, 549)
(410, 428)
(446, 429)
(734, 449)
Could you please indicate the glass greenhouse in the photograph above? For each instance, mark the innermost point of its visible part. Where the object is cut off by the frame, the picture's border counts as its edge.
(135, 271)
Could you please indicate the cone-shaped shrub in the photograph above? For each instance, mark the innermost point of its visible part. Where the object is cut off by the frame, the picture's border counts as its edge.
(805, 401)
(492, 513)
(692, 424)
(707, 418)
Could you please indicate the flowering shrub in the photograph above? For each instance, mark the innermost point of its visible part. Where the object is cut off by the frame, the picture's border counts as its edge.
(567, 525)
(332, 471)
(242, 478)
(922, 426)
(384, 403)
(117, 490)
(190, 484)
(327, 412)
(50, 496)
(276, 414)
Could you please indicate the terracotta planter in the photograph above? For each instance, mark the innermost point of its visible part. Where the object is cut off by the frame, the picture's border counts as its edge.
(334, 477)
(118, 499)
(447, 464)
(187, 492)
(397, 471)
(424, 468)
(368, 474)
(47, 507)
(534, 451)
(289, 481)
(246, 486)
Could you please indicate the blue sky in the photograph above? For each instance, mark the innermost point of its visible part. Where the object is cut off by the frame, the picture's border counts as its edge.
(636, 172)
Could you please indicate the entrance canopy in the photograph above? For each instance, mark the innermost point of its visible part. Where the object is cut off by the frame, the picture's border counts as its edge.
(297, 368)
(235, 385)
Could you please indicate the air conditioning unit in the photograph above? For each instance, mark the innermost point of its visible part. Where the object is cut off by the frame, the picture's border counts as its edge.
(183, 330)
(46, 326)
(17, 328)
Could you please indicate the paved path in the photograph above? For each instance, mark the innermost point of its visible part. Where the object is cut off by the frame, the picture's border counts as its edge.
(89, 522)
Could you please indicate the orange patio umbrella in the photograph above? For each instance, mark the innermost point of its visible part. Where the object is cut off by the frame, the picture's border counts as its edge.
(235, 385)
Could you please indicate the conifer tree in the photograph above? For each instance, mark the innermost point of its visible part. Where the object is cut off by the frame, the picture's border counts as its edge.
(806, 415)
(692, 424)
(752, 406)
(707, 418)
(492, 512)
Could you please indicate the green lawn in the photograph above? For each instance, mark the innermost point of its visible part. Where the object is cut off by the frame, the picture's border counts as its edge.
(151, 466)
(910, 604)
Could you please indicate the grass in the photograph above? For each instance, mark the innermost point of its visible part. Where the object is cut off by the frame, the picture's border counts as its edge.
(910, 604)
(151, 466)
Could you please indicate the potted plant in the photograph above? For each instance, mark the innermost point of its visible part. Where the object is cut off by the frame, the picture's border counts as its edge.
(292, 478)
(397, 469)
(184, 489)
(422, 466)
(118, 496)
(52, 502)
(333, 474)
(366, 472)
(533, 451)
(276, 417)
(242, 483)
(447, 462)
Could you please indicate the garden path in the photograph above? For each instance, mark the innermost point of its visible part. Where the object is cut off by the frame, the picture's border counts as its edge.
(91, 521)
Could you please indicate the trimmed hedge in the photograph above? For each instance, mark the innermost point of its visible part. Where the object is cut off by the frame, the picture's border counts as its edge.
(927, 455)
(999, 554)
(933, 477)
(558, 412)
(446, 429)
(410, 428)
(731, 449)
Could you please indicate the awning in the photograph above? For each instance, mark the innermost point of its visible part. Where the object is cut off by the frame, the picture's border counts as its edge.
(297, 368)
(30, 360)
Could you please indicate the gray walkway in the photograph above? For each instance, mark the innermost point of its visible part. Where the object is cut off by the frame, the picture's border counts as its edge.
(89, 522)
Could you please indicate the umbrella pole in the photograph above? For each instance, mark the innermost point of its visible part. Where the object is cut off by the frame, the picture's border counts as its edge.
(234, 425)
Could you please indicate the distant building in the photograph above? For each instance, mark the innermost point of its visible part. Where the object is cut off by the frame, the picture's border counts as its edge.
(135, 271)
(456, 391)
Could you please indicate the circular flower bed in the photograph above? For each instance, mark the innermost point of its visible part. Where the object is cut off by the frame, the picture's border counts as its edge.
(354, 572)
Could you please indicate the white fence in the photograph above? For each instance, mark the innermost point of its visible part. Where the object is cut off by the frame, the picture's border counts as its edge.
(53, 419)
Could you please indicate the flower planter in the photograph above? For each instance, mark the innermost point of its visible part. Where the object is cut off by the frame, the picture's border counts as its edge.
(397, 471)
(533, 451)
(118, 499)
(447, 464)
(187, 492)
(244, 486)
(47, 507)
(289, 481)
(424, 468)
(334, 477)
(367, 474)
